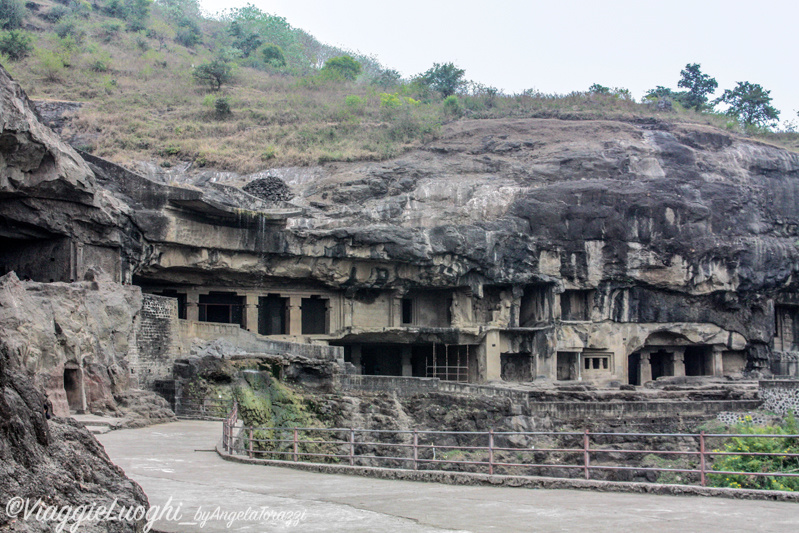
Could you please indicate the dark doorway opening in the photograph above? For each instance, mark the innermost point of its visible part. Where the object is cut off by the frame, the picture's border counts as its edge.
(517, 367)
(72, 379)
(272, 315)
(314, 316)
(222, 307)
(697, 360)
(567, 366)
(661, 362)
(382, 360)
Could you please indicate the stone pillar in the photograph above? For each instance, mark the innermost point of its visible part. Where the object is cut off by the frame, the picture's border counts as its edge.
(328, 312)
(348, 311)
(407, 367)
(192, 307)
(251, 311)
(356, 358)
(678, 361)
(717, 363)
(493, 356)
(295, 315)
(395, 320)
(645, 367)
(83, 403)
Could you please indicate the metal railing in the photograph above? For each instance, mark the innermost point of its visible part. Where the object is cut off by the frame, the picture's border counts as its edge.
(205, 409)
(536, 453)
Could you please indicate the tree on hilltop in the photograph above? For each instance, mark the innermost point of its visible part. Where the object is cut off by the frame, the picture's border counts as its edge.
(699, 86)
(445, 78)
(750, 104)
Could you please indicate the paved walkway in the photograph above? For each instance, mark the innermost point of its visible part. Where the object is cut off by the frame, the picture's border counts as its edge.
(176, 461)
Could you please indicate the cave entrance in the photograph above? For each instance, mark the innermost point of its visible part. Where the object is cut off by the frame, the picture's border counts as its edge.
(535, 306)
(661, 363)
(567, 366)
(314, 316)
(272, 315)
(73, 379)
(698, 360)
(634, 369)
(517, 367)
(222, 307)
(575, 305)
(381, 360)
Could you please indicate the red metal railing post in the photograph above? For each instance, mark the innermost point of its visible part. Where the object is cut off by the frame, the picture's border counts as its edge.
(586, 456)
(491, 452)
(352, 447)
(415, 450)
(296, 446)
(702, 465)
(250, 439)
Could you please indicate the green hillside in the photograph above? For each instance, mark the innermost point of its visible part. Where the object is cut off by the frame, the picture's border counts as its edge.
(247, 91)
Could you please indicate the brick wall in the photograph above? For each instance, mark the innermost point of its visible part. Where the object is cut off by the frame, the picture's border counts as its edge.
(157, 340)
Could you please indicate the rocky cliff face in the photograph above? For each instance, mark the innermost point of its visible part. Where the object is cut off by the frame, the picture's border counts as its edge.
(58, 461)
(51, 207)
(669, 223)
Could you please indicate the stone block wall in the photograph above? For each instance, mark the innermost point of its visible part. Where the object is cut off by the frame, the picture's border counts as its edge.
(157, 340)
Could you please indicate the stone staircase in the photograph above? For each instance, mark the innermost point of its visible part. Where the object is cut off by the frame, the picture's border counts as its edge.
(99, 424)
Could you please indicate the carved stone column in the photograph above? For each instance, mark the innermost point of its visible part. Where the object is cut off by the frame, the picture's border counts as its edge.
(678, 361)
(251, 311)
(645, 367)
(295, 315)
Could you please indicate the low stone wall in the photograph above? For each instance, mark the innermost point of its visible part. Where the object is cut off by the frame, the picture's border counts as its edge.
(410, 386)
(250, 342)
(639, 409)
(780, 395)
(402, 386)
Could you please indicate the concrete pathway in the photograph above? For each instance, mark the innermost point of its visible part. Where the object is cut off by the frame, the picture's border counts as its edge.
(177, 461)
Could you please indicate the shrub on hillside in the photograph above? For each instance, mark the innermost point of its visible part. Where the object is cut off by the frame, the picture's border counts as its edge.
(445, 78)
(272, 55)
(222, 107)
(134, 12)
(213, 73)
(452, 106)
(759, 463)
(70, 27)
(12, 14)
(16, 44)
(51, 63)
(341, 68)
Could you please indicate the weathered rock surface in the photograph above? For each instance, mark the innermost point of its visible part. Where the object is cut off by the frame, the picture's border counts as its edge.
(89, 325)
(668, 223)
(57, 461)
(46, 189)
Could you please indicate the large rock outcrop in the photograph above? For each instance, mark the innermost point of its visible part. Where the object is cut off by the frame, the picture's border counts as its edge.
(51, 208)
(58, 461)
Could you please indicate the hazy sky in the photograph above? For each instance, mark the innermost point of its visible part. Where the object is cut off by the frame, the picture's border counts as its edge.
(565, 45)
